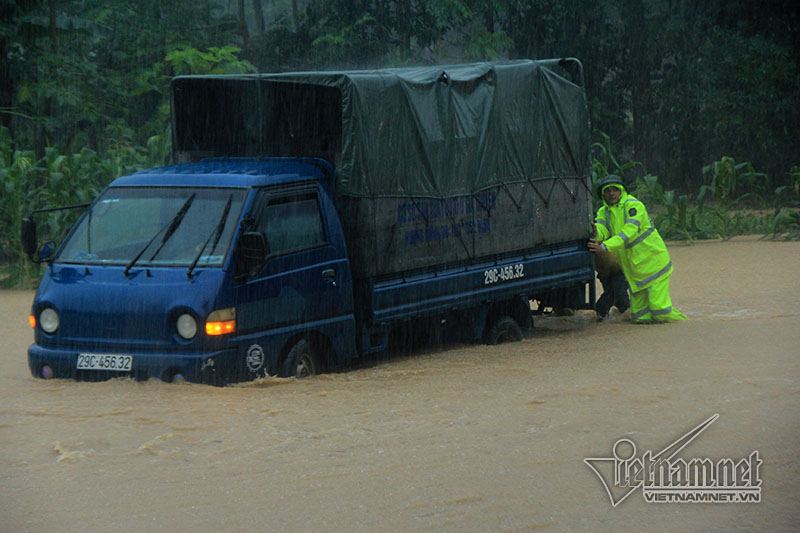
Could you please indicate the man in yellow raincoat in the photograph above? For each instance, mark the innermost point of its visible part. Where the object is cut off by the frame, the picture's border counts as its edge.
(623, 228)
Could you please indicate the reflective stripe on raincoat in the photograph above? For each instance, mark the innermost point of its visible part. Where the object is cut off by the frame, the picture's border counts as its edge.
(626, 230)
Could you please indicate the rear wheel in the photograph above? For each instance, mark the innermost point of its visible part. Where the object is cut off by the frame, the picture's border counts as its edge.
(503, 329)
(301, 361)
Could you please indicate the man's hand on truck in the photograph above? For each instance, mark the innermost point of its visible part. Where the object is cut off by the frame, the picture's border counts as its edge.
(595, 246)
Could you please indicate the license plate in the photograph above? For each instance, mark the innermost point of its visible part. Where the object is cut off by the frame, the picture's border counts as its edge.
(115, 363)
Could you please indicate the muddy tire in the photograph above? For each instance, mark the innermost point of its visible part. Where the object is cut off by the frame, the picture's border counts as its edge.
(301, 361)
(503, 329)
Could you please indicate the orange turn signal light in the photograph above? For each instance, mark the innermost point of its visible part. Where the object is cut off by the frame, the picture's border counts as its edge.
(32, 321)
(221, 322)
(220, 328)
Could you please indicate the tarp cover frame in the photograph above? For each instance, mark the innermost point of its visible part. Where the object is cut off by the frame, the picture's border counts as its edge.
(436, 131)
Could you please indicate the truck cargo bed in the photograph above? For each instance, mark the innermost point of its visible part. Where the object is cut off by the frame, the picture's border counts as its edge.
(526, 274)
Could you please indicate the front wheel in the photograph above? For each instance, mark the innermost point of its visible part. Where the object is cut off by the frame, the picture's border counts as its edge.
(503, 329)
(301, 361)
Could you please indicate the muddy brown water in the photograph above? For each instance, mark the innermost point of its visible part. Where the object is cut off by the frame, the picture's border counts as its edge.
(471, 438)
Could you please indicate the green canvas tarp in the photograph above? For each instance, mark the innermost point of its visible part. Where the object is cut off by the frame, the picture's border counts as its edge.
(421, 131)
(434, 165)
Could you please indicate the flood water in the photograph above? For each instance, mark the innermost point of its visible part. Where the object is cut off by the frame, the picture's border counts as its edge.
(468, 437)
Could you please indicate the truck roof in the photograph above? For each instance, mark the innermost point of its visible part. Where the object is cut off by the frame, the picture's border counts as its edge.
(231, 172)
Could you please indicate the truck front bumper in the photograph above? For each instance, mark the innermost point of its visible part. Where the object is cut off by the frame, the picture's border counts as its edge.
(214, 368)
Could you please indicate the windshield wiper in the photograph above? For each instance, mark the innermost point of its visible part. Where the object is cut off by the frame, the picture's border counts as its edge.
(217, 233)
(170, 227)
(173, 225)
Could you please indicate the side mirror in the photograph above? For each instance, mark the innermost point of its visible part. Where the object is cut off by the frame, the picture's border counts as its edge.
(46, 251)
(28, 236)
(253, 249)
(251, 253)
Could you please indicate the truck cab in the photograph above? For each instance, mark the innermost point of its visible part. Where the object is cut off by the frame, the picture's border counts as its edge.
(212, 271)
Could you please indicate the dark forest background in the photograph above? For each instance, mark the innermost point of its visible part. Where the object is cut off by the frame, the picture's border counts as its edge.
(705, 95)
(675, 84)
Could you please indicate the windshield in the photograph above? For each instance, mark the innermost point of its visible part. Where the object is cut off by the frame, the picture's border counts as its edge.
(163, 226)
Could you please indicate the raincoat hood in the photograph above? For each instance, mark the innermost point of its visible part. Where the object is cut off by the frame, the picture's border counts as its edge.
(611, 179)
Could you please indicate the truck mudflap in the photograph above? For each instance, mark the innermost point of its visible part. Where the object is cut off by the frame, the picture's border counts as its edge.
(213, 368)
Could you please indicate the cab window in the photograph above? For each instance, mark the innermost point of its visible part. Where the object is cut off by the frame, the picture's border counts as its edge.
(292, 223)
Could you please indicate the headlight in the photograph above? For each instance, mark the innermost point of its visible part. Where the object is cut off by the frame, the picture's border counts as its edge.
(187, 326)
(48, 320)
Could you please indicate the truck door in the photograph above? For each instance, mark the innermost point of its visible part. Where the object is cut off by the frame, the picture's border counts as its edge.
(304, 285)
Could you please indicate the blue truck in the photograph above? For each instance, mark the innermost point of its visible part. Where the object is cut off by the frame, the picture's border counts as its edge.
(310, 215)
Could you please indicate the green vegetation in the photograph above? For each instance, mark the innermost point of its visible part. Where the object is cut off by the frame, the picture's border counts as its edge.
(720, 210)
(695, 95)
(56, 180)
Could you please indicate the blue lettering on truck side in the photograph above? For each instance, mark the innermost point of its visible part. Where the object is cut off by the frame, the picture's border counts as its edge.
(429, 211)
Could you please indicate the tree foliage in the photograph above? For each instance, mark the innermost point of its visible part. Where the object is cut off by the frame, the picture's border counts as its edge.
(687, 98)
(676, 84)
(74, 64)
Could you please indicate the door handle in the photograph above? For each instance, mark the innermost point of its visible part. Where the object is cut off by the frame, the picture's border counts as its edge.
(329, 275)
